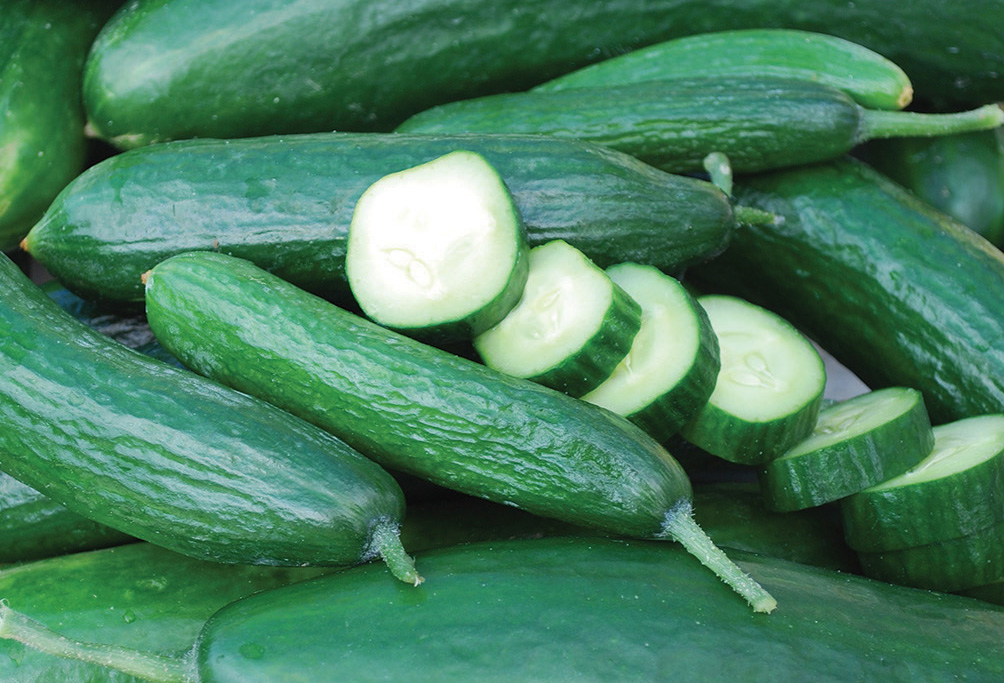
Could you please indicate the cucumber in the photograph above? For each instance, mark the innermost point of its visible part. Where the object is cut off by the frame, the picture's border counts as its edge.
(43, 44)
(867, 77)
(438, 249)
(577, 608)
(769, 390)
(423, 411)
(960, 175)
(124, 215)
(759, 123)
(896, 291)
(950, 565)
(855, 444)
(210, 68)
(164, 455)
(571, 327)
(33, 527)
(957, 490)
(671, 368)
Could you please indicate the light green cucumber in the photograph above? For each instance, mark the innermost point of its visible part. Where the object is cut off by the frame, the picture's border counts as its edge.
(958, 489)
(769, 390)
(438, 249)
(671, 369)
(856, 443)
(868, 77)
(571, 327)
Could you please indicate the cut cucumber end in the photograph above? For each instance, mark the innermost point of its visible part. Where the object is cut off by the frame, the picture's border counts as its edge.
(436, 244)
(680, 526)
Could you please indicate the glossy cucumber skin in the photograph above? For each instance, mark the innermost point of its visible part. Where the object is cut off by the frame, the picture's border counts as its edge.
(43, 44)
(758, 123)
(286, 204)
(162, 454)
(409, 406)
(894, 290)
(598, 610)
(870, 79)
(265, 66)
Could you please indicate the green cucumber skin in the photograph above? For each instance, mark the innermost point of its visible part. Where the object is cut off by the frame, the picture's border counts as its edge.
(162, 454)
(846, 468)
(583, 372)
(960, 175)
(868, 78)
(598, 610)
(758, 123)
(411, 407)
(43, 44)
(124, 215)
(911, 304)
(394, 61)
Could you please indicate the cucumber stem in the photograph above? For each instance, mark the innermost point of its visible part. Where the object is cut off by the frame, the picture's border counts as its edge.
(385, 543)
(681, 527)
(876, 123)
(720, 170)
(145, 665)
(747, 215)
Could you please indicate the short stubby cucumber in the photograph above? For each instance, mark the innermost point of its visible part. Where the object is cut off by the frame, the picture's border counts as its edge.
(167, 456)
(558, 609)
(286, 204)
(867, 77)
(759, 123)
(423, 411)
(438, 250)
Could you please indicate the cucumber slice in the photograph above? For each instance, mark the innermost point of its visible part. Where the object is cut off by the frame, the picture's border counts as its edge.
(671, 369)
(769, 390)
(437, 249)
(571, 328)
(856, 443)
(957, 490)
(952, 565)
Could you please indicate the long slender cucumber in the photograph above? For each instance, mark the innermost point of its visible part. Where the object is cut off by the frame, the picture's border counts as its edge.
(287, 203)
(164, 455)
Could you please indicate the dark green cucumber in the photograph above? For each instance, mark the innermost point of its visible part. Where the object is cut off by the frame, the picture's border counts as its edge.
(856, 443)
(33, 526)
(759, 123)
(212, 68)
(423, 411)
(961, 175)
(870, 79)
(43, 44)
(895, 290)
(167, 456)
(577, 609)
(287, 203)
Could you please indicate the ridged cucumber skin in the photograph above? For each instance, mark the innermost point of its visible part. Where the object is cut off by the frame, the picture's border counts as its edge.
(598, 610)
(127, 213)
(849, 466)
(867, 77)
(162, 454)
(409, 406)
(758, 123)
(42, 143)
(275, 74)
(951, 565)
(911, 304)
(960, 175)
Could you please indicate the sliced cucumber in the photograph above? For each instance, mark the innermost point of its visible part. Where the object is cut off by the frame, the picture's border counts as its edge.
(769, 390)
(571, 328)
(856, 443)
(438, 249)
(957, 490)
(671, 369)
(952, 565)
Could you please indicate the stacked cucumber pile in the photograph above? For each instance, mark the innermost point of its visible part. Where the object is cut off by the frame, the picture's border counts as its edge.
(518, 373)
